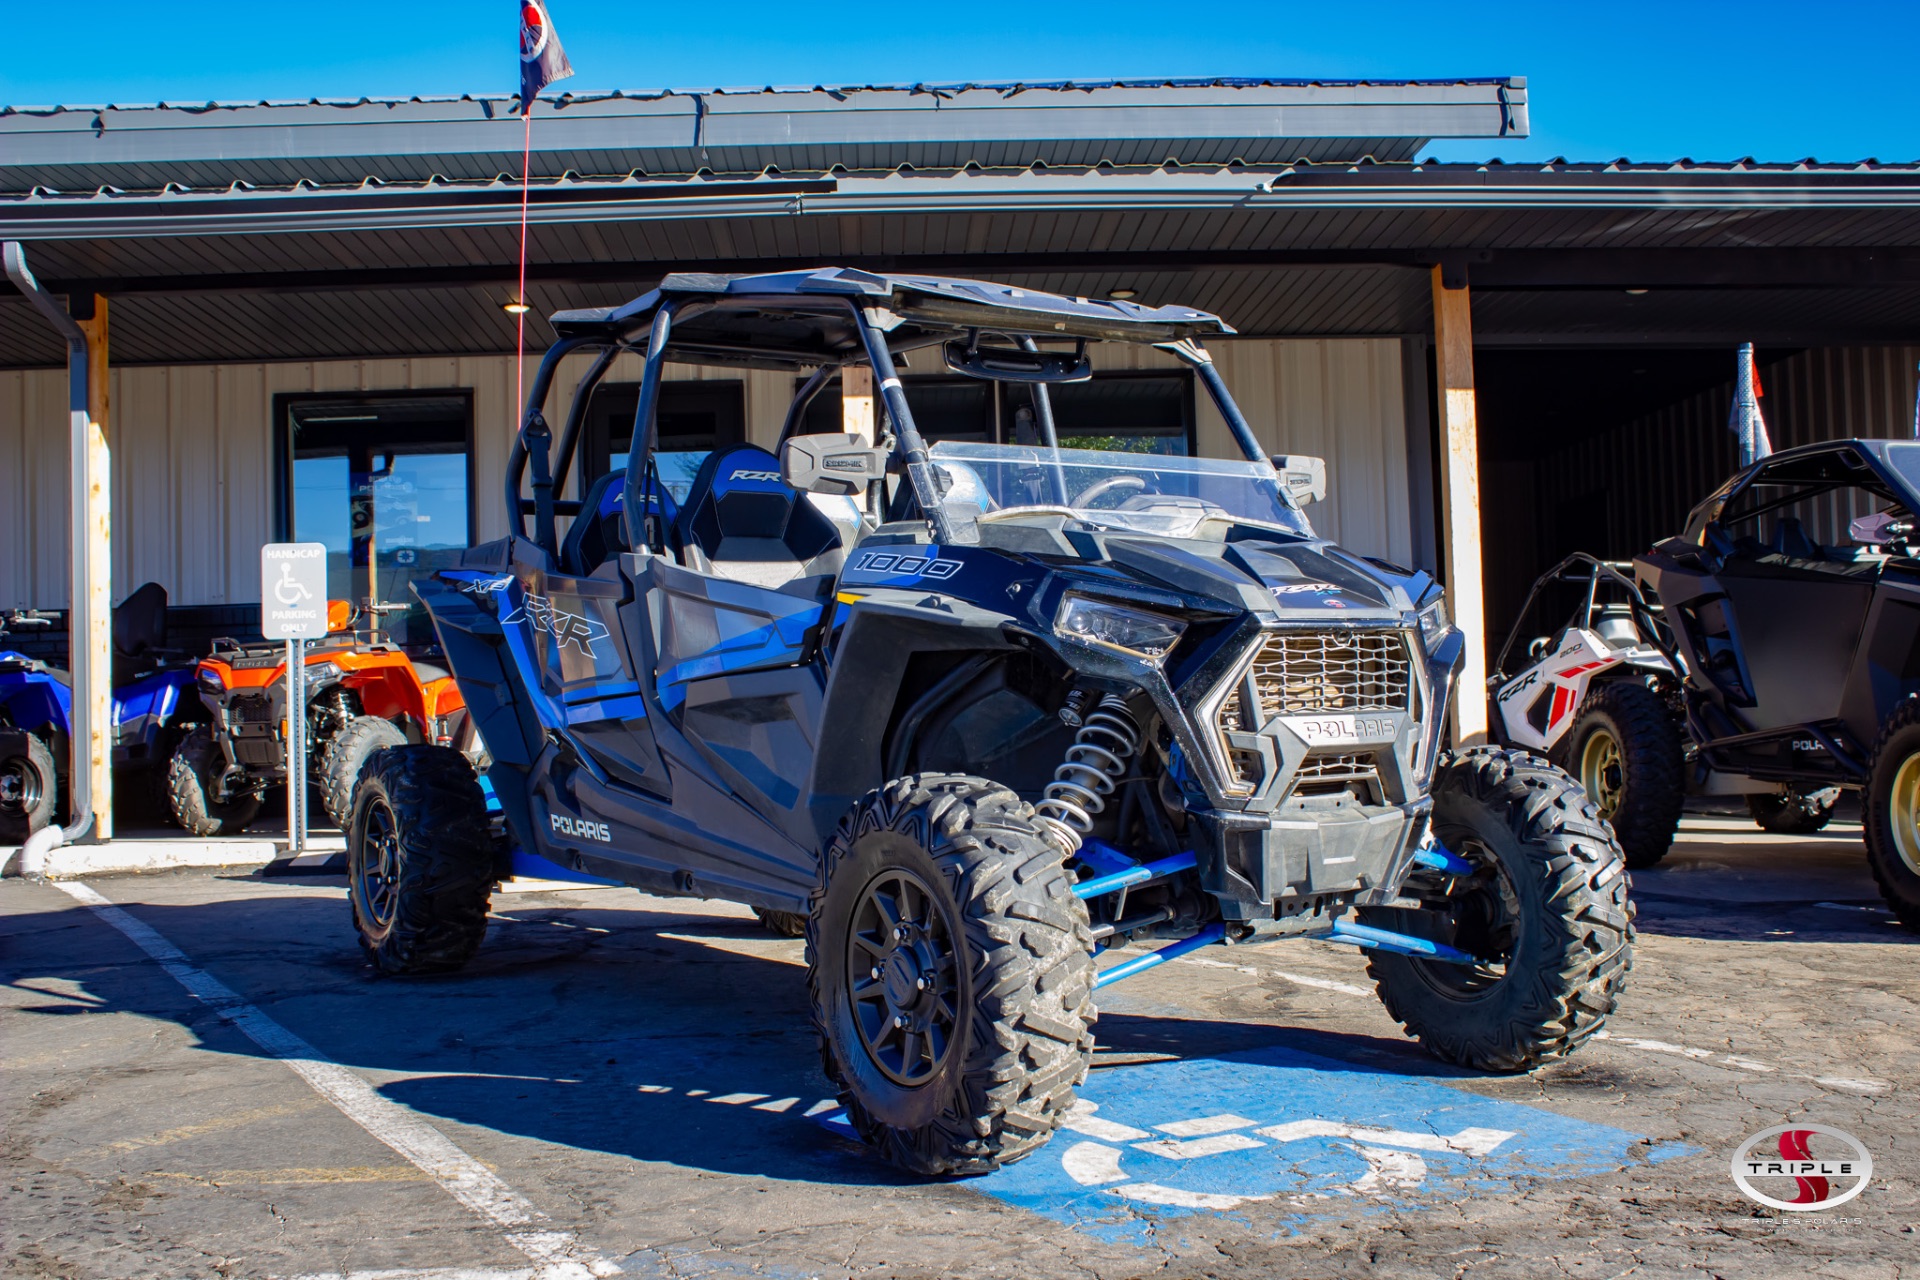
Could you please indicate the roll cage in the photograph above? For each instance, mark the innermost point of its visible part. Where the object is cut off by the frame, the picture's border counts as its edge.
(824, 320)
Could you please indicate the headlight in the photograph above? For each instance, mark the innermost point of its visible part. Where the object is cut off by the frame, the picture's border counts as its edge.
(1134, 632)
(1433, 622)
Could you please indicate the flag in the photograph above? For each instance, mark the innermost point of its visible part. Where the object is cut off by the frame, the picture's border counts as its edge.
(1745, 420)
(542, 60)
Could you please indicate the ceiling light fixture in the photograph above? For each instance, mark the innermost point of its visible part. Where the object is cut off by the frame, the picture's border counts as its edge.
(1122, 294)
(515, 308)
(1636, 292)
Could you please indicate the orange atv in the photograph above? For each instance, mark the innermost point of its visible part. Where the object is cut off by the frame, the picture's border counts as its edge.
(362, 695)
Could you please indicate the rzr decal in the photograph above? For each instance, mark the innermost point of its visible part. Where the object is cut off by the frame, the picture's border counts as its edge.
(568, 628)
(755, 475)
(483, 586)
(1298, 588)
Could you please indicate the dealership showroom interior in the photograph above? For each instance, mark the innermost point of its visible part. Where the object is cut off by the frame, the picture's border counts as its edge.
(1264, 642)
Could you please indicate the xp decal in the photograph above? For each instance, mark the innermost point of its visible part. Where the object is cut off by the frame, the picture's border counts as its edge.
(573, 629)
(1839, 1172)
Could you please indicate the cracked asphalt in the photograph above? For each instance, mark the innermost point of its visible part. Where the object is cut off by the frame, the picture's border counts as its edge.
(637, 1074)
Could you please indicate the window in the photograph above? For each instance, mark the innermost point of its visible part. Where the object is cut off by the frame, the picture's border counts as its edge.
(1128, 412)
(384, 482)
(693, 418)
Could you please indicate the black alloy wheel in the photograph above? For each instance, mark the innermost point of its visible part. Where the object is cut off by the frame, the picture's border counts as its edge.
(902, 976)
(377, 870)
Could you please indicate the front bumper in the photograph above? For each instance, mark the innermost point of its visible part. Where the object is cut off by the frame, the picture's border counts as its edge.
(1309, 856)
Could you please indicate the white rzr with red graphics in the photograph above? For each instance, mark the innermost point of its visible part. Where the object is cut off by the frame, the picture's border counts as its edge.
(1600, 698)
(1536, 707)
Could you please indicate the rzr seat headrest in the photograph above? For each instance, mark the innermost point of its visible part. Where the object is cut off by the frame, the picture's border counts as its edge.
(739, 509)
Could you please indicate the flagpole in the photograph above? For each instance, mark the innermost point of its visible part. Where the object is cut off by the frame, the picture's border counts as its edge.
(520, 317)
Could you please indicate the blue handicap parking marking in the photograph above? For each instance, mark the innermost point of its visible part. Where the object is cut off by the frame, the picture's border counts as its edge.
(1289, 1130)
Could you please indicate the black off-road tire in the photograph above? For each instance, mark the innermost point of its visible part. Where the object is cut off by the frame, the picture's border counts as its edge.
(351, 748)
(190, 777)
(1892, 832)
(1651, 786)
(29, 785)
(1520, 820)
(1021, 989)
(420, 865)
(788, 924)
(1789, 814)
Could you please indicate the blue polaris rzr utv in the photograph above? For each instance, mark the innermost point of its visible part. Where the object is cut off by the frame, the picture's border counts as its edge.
(981, 714)
(153, 699)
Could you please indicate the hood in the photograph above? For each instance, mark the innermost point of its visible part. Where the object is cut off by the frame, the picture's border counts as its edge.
(1291, 581)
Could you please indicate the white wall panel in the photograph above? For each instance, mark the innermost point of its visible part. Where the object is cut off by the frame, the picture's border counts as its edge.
(193, 456)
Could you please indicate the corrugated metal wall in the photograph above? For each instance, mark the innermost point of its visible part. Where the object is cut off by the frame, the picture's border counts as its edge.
(192, 452)
(1646, 475)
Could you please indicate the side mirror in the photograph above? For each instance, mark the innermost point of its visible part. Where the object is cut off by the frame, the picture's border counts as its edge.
(1881, 529)
(842, 464)
(1305, 478)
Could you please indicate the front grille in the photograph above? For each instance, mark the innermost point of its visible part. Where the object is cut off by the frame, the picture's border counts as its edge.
(1304, 672)
(1320, 775)
(1315, 672)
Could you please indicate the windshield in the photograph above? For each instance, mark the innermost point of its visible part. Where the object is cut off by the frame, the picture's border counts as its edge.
(1148, 493)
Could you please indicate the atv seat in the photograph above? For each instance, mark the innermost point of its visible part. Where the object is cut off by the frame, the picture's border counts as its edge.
(599, 532)
(139, 631)
(742, 522)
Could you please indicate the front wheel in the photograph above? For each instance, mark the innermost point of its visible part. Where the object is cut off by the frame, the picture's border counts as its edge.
(1891, 813)
(193, 777)
(29, 785)
(351, 748)
(1625, 750)
(1545, 912)
(420, 867)
(950, 975)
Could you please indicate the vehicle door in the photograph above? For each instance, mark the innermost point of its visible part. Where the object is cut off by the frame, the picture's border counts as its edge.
(564, 629)
(1796, 596)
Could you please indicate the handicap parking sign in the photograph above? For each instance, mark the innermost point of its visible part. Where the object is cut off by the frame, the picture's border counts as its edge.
(1291, 1131)
(293, 590)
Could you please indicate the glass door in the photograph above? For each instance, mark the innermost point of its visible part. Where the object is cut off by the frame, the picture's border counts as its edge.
(384, 482)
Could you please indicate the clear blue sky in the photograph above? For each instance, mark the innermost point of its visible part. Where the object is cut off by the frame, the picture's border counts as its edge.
(1836, 79)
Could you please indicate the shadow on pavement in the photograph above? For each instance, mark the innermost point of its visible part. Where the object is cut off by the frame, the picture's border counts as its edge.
(649, 1035)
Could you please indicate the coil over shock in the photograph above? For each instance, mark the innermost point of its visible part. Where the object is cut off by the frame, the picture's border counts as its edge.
(1109, 736)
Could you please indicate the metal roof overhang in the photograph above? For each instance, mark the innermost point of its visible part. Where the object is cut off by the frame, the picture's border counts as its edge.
(1768, 252)
(1200, 121)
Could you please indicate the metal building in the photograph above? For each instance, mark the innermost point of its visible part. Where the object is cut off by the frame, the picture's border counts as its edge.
(279, 287)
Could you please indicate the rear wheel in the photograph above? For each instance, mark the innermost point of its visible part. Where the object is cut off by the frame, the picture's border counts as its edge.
(1625, 751)
(193, 777)
(1891, 813)
(420, 866)
(788, 924)
(29, 785)
(351, 748)
(951, 975)
(1545, 912)
(1792, 814)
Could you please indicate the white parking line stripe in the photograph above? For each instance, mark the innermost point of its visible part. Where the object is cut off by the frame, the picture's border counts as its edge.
(557, 1255)
(1712, 1057)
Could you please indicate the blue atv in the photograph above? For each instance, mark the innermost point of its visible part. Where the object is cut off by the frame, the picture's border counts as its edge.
(982, 715)
(154, 700)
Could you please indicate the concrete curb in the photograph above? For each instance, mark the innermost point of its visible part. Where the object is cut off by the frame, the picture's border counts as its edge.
(120, 857)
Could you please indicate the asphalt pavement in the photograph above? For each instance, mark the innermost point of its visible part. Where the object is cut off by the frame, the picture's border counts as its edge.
(199, 1077)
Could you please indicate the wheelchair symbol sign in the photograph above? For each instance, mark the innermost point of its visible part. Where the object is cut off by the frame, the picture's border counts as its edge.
(293, 590)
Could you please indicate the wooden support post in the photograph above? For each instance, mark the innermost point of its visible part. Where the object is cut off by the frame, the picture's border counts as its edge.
(97, 493)
(856, 400)
(1460, 498)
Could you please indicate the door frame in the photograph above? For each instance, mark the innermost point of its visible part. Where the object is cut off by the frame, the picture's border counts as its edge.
(283, 404)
